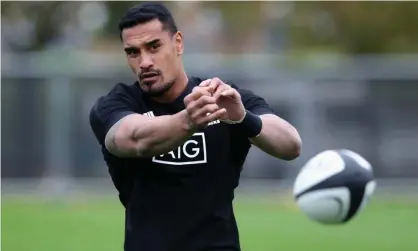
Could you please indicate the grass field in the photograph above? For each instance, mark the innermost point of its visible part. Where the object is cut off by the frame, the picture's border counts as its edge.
(90, 225)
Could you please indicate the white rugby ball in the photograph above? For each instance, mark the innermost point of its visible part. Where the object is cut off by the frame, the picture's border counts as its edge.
(334, 186)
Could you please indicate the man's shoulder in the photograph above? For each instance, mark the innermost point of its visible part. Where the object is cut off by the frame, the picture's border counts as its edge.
(120, 92)
(119, 101)
(121, 97)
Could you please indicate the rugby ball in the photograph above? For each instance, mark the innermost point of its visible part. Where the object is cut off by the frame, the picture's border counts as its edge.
(334, 186)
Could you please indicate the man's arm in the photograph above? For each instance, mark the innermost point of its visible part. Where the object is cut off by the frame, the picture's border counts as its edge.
(278, 138)
(140, 136)
(257, 120)
(135, 135)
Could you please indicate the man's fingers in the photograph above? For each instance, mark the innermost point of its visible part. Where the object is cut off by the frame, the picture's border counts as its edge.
(211, 84)
(228, 93)
(201, 90)
(194, 106)
(201, 103)
(233, 95)
(205, 110)
(205, 83)
(215, 115)
(204, 120)
(220, 90)
(196, 94)
(210, 108)
(204, 100)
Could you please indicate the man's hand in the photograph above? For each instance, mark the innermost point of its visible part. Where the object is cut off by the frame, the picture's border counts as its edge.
(201, 108)
(226, 98)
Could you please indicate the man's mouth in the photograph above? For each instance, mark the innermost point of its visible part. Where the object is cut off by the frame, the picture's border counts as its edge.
(149, 78)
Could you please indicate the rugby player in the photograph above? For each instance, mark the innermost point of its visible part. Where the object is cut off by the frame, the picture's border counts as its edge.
(175, 144)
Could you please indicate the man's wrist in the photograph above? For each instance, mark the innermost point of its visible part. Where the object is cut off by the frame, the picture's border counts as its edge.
(251, 124)
(185, 121)
(233, 122)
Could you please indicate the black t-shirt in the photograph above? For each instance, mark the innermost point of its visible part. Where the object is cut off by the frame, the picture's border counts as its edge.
(181, 200)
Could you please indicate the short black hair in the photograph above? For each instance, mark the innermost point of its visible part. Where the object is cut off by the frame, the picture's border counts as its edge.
(145, 12)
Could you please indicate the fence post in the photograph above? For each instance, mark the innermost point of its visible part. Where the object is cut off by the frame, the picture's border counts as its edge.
(58, 146)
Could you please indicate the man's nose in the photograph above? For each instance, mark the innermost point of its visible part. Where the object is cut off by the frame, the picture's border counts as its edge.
(146, 62)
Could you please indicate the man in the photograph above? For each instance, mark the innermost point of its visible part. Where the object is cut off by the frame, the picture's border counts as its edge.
(175, 145)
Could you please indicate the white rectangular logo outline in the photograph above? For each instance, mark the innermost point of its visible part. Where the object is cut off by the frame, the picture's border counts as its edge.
(202, 134)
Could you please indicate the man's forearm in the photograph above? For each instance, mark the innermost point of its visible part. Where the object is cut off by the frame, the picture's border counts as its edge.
(162, 134)
(278, 138)
(140, 136)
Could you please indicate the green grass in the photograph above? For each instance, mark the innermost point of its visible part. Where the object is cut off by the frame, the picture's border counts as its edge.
(98, 225)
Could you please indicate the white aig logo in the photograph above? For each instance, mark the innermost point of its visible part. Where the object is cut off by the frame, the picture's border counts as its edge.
(193, 151)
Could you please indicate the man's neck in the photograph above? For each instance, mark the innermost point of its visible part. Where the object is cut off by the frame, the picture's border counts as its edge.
(175, 91)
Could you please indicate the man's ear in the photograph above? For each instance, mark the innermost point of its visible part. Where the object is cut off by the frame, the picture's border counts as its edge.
(178, 40)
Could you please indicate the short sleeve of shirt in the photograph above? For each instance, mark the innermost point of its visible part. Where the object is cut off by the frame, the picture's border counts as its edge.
(253, 102)
(106, 112)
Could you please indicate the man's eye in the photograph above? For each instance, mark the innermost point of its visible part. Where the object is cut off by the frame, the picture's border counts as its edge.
(155, 47)
(132, 53)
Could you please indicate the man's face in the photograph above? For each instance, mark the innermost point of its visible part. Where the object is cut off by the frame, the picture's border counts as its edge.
(154, 56)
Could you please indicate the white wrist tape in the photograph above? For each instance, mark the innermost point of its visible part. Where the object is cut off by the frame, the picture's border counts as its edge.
(232, 122)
